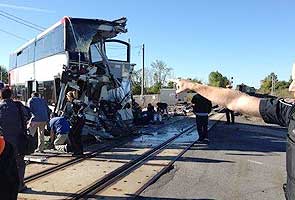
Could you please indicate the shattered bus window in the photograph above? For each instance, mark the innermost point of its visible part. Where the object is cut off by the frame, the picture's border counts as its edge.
(95, 54)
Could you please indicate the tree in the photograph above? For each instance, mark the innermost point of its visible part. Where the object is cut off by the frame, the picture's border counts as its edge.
(136, 88)
(136, 76)
(161, 72)
(155, 89)
(217, 79)
(136, 82)
(3, 74)
(170, 84)
(280, 85)
(266, 83)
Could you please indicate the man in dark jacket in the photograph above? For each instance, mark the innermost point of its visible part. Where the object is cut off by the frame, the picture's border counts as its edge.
(9, 181)
(12, 125)
(202, 107)
(74, 113)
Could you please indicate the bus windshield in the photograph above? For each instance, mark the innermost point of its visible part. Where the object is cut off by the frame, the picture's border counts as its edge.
(81, 33)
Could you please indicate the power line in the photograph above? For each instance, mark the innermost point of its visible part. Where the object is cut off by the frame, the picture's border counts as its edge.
(38, 29)
(9, 33)
(28, 22)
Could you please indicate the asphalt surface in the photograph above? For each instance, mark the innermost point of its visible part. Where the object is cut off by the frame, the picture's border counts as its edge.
(243, 161)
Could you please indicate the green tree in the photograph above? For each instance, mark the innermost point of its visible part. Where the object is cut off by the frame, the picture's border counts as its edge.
(136, 82)
(3, 74)
(280, 85)
(155, 89)
(170, 84)
(217, 79)
(266, 83)
(136, 88)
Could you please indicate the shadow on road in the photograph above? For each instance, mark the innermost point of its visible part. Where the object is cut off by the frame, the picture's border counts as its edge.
(246, 137)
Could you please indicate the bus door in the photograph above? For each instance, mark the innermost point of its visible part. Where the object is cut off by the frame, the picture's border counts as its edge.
(31, 87)
(56, 88)
(118, 53)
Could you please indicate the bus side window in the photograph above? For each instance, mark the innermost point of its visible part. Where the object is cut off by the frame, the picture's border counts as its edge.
(20, 93)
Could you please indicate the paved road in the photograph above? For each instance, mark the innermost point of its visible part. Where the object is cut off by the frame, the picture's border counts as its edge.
(244, 161)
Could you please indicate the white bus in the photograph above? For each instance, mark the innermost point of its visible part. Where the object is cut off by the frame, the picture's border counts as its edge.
(75, 54)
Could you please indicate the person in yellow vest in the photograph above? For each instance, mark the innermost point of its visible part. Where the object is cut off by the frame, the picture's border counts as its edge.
(9, 181)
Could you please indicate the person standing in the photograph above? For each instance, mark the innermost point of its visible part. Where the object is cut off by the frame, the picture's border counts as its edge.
(9, 181)
(40, 111)
(271, 110)
(202, 107)
(230, 115)
(74, 113)
(69, 110)
(12, 126)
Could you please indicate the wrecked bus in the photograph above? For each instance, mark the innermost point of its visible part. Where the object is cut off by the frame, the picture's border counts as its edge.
(73, 55)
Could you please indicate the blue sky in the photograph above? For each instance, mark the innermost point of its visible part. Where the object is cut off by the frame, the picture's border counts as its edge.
(244, 39)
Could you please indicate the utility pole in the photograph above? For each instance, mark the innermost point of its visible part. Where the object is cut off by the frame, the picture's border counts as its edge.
(142, 79)
(272, 84)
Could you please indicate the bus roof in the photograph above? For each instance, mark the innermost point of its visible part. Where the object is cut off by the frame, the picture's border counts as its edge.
(63, 20)
(37, 37)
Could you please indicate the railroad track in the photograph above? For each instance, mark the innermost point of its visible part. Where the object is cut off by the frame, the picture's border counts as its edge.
(68, 163)
(122, 183)
(75, 160)
(103, 174)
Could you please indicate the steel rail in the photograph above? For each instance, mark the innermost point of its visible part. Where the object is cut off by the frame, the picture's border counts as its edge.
(41, 174)
(76, 160)
(117, 174)
(164, 170)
